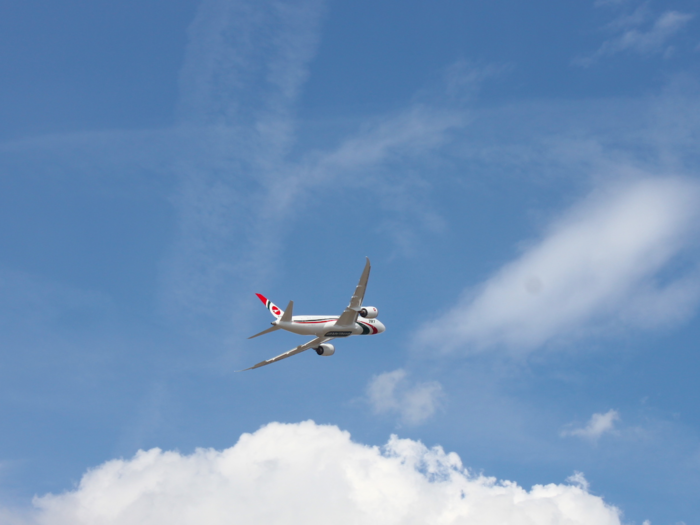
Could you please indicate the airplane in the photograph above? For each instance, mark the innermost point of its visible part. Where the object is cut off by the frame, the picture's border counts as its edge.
(324, 327)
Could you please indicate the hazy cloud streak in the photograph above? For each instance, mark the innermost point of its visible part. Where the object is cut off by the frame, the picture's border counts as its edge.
(598, 425)
(225, 167)
(393, 392)
(633, 39)
(599, 264)
(244, 69)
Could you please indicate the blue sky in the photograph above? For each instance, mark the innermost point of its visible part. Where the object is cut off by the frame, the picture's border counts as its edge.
(523, 176)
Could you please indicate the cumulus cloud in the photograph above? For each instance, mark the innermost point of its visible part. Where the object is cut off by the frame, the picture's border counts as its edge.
(601, 264)
(393, 392)
(598, 425)
(631, 37)
(308, 473)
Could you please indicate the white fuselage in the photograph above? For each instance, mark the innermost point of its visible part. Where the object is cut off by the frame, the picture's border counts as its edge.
(324, 325)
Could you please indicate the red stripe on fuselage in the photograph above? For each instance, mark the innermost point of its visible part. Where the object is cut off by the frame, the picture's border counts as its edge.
(374, 328)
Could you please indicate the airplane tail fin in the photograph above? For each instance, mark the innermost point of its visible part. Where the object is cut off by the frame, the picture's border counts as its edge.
(274, 309)
(287, 316)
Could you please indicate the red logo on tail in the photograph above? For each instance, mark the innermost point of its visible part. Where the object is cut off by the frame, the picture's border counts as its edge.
(275, 310)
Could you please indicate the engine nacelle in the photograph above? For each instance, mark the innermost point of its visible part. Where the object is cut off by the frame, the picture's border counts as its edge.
(325, 350)
(370, 312)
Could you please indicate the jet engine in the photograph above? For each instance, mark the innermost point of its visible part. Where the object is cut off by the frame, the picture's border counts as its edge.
(370, 312)
(325, 350)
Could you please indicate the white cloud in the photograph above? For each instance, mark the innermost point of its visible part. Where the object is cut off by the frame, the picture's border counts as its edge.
(600, 265)
(308, 473)
(598, 425)
(577, 478)
(392, 392)
(653, 40)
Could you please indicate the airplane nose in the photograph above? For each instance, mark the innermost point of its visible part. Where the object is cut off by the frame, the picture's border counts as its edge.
(380, 326)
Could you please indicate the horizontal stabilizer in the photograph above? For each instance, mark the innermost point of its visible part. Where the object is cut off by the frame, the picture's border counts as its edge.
(269, 330)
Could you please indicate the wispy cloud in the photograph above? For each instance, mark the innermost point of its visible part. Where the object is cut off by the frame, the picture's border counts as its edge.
(403, 482)
(598, 425)
(246, 63)
(641, 33)
(598, 265)
(243, 70)
(226, 167)
(601, 3)
(240, 188)
(577, 478)
(393, 392)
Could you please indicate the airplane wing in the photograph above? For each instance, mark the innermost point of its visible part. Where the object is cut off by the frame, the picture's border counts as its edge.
(301, 348)
(349, 316)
